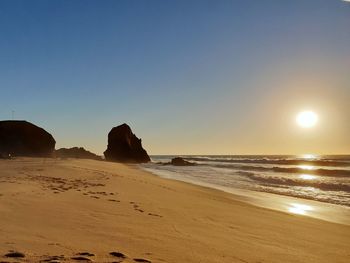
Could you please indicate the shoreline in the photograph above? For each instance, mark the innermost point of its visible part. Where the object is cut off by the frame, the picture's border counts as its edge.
(65, 207)
(324, 179)
(283, 203)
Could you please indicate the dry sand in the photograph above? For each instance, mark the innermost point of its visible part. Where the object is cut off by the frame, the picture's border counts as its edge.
(64, 207)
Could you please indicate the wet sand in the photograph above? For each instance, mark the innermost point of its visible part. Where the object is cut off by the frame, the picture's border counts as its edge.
(84, 210)
(320, 210)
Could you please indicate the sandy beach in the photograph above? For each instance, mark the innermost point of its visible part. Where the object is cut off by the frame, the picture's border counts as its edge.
(72, 210)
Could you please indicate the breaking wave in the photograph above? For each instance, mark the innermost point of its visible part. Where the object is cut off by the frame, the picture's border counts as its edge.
(281, 161)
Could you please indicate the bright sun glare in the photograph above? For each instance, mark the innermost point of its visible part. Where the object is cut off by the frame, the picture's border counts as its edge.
(299, 209)
(307, 119)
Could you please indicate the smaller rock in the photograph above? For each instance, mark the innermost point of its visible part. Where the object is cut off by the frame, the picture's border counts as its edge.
(179, 161)
(76, 152)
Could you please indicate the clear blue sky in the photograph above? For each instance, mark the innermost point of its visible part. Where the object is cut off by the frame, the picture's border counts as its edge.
(188, 76)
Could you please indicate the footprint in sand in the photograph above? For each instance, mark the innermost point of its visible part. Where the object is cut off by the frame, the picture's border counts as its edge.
(81, 258)
(137, 208)
(118, 255)
(14, 254)
(114, 200)
(151, 214)
(53, 259)
(88, 254)
(142, 260)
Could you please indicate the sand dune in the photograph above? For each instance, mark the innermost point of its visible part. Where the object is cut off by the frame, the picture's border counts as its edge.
(85, 210)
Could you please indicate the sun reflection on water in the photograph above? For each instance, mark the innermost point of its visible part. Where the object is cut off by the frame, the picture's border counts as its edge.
(306, 167)
(299, 209)
(308, 156)
(307, 176)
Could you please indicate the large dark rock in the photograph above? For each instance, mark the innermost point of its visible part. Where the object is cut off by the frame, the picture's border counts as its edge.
(124, 146)
(76, 152)
(21, 138)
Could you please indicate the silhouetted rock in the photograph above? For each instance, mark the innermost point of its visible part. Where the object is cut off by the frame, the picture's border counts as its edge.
(178, 161)
(5, 156)
(76, 152)
(21, 138)
(124, 146)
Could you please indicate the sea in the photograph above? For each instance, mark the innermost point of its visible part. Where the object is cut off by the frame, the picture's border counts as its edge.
(320, 178)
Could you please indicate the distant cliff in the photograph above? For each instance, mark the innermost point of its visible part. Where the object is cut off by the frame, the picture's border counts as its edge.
(124, 146)
(76, 152)
(22, 138)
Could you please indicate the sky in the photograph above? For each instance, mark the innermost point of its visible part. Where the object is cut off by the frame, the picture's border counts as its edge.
(189, 77)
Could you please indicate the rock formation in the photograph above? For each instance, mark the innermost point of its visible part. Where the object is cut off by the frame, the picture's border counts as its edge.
(124, 146)
(179, 161)
(76, 152)
(21, 138)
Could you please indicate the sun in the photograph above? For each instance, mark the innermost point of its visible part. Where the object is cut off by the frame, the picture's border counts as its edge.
(307, 119)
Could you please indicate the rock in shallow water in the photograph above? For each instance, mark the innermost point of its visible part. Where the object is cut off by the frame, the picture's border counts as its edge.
(178, 161)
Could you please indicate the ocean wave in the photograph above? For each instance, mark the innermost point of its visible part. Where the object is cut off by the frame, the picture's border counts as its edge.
(292, 170)
(321, 171)
(281, 181)
(279, 169)
(303, 193)
(278, 161)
